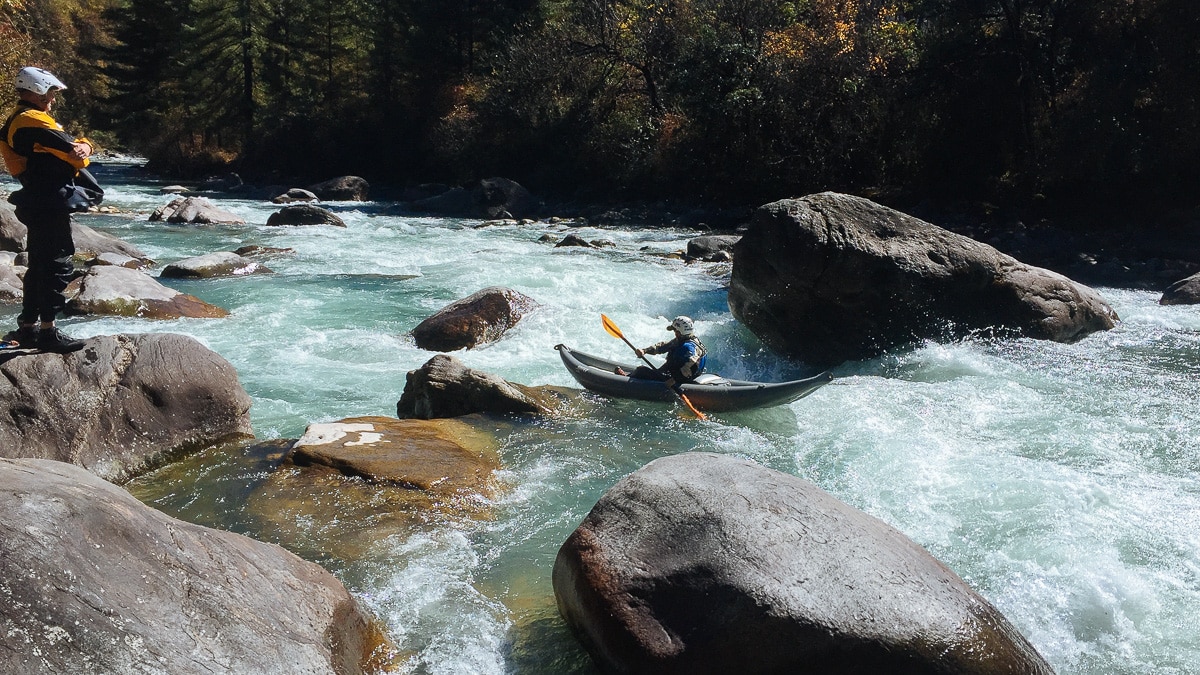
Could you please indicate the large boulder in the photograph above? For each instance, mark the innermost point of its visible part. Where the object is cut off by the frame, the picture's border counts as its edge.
(96, 582)
(342, 189)
(197, 210)
(445, 387)
(212, 265)
(487, 198)
(705, 563)
(1183, 292)
(120, 291)
(479, 318)
(304, 214)
(832, 277)
(121, 405)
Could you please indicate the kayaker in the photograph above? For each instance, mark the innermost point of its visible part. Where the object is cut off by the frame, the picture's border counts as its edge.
(47, 161)
(686, 356)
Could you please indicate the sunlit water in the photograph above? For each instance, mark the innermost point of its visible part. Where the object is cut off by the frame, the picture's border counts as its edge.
(1058, 480)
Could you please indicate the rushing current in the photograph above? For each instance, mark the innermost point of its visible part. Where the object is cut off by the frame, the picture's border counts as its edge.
(1060, 481)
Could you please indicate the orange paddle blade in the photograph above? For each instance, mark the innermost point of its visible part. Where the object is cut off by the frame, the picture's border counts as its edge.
(611, 327)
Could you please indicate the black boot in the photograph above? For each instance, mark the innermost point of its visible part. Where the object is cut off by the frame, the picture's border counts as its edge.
(26, 337)
(53, 340)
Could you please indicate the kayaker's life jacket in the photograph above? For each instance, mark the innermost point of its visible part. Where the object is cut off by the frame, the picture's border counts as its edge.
(37, 152)
(686, 357)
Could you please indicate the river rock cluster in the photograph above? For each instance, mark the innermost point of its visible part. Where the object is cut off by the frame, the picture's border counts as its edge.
(696, 563)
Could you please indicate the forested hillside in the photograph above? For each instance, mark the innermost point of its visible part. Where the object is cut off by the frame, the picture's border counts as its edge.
(1059, 102)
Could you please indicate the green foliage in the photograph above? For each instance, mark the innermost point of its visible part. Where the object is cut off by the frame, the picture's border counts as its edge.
(728, 100)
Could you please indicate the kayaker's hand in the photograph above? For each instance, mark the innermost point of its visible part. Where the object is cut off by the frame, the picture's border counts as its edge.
(639, 352)
(670, 382)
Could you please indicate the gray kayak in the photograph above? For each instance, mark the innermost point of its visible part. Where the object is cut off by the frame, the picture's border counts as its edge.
(707, 392)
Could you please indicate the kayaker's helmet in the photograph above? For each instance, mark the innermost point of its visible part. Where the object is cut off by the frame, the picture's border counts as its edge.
(684, 326)
(38, 80)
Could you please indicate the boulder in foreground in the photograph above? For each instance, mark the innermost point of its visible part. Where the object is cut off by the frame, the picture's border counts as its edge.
(96, 582)
(705, 563)
(832, 277)
(121, 405)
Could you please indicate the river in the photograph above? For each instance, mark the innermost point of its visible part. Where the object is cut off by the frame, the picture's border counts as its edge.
(1060, 481)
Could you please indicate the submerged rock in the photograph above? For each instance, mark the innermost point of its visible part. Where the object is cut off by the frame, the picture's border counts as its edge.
(479, 318)
(350, 484)
(574, 240)
(118, 291)
(264, 251)
(122, 405)
(706, 563)
(832, 277)
(94, 581)
(445, 387)
(441, 456)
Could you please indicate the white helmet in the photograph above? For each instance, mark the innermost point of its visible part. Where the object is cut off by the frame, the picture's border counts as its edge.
(683, 325)
(38, 81)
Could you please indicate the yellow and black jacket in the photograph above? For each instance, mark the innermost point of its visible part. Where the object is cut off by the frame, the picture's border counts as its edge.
(37, 152)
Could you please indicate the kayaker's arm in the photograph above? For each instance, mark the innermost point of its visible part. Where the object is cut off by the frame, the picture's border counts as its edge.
(658, 347)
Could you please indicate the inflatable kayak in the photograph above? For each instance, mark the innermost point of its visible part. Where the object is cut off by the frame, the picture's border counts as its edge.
(707, 392)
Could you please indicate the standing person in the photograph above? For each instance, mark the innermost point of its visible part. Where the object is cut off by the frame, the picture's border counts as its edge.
(686, 356)
(46, 160)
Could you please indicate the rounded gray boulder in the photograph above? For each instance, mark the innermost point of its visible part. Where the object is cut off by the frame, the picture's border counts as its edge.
(93, 581)
(705, 563)
(832, 277)
(121, 405)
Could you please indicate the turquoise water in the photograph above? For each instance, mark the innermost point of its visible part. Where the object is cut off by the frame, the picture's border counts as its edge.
(1059, 480)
